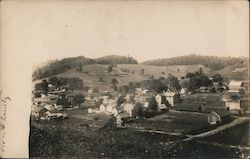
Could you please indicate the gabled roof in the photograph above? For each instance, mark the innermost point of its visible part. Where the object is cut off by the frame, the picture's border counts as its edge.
(169, 94)
(220, 113)
(235, 83)
(213, 112)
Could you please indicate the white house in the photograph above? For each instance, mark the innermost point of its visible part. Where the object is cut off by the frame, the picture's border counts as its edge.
(146, 104)
(171, 97)
(102, 108)
(114, 112)
(109, 108)
(128, 108)
(183, 91)
(49, 107)
(233, 105)
(158, 99)
(235, 86)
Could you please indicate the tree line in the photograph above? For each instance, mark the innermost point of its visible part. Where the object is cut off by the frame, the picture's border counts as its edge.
(213, 62)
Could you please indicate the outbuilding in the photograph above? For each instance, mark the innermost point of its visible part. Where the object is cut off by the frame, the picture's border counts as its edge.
(213, 118)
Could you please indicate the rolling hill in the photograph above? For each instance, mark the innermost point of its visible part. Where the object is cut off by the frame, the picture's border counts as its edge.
(230, 72)
(213, 62)
(93, 72)
(60, 66)
(163, 71)
(94, 69)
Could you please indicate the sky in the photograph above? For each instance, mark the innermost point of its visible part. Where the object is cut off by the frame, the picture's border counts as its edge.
(44, 30)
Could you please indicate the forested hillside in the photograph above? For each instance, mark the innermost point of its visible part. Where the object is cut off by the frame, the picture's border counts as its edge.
(117, 59)
(213, 62)
(60, 66)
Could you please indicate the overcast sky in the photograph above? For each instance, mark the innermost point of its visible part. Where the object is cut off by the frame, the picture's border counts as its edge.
(142, 29)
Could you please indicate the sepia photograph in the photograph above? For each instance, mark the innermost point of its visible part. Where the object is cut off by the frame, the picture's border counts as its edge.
(125, 79)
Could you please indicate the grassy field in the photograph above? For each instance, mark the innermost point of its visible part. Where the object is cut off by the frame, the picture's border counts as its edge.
(228, 74)
(73, 138)
(157, 71)
(59, 141)
(92, 73)
(49, 141)
(53, 140)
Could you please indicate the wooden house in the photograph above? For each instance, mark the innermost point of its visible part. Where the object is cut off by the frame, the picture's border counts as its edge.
(235, 86)
(213, 118)
(218, 117)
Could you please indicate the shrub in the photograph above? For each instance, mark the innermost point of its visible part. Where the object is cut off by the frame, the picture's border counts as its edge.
(152, 103)
(138, 110)
(78, 99)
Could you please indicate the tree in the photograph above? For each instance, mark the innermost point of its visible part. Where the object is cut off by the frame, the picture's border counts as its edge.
(80, 69)
(217, 78)
(38, 87)
(45, 86)
(189, 75)
(142, 71)
(157, 86)
(152, 103)
(114, 83)
(204, 80)
(110, 68)
(164, 101)
(55, 81)
(63, 101)
(78, 99)
(198, 81)
(120, 100)
(200, 70)
(173, 82)
(138, 110)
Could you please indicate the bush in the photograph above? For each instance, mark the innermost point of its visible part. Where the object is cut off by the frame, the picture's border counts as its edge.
(37, 94)
(63, 101)
(120, 100)
(138, 110)
(78, 99)
(152, 103)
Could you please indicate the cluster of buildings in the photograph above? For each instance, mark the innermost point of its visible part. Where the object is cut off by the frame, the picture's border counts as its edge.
(236, 97)
(46, 106)
(110, 106)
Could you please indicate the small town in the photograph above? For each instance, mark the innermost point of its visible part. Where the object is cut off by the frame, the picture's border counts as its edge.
(121, 101)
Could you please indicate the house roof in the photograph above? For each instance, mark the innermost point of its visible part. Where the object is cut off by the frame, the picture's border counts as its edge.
(221, 113)
(169, 93)
(213, 112)
(235, 83)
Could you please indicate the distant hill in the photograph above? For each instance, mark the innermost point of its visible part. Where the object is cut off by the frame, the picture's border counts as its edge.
(213, 62)
(163, 71)
(117, 59)
(94, 72)
(238, 71)
(60, 66)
